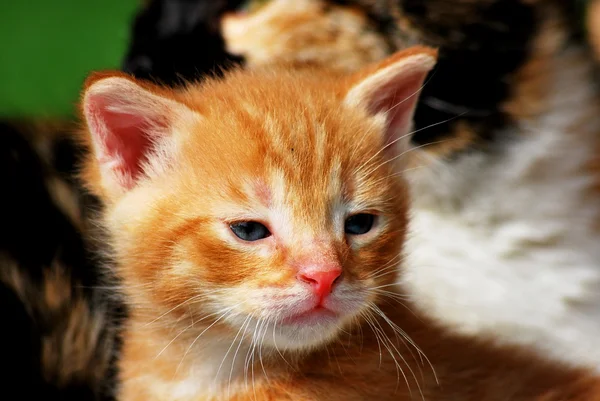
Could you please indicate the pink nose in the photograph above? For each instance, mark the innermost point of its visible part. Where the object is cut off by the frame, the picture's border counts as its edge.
(320, 281)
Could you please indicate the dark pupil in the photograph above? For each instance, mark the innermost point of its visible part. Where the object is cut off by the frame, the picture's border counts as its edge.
(250, 230)
(359, 224)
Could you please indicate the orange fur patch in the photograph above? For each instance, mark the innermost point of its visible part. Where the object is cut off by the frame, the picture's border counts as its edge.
(304, 32)
(188, 278)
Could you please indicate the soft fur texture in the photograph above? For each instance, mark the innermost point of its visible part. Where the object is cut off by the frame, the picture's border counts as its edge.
(59, 325)
(504, 226)
(215, 317)
(592, 25)
(174, 40)
(306, 32)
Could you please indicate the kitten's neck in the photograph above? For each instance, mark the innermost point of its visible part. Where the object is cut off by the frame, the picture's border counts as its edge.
(396, 354)
(181, 365)
(212, 364)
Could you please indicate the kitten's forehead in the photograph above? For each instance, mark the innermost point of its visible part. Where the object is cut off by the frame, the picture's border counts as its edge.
(283, 142)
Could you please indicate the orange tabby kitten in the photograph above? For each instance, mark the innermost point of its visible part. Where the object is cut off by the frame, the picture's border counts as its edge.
(256, 222)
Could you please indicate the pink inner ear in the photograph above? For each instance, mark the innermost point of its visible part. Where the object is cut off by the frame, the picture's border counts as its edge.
(398, 100)
(121, 139)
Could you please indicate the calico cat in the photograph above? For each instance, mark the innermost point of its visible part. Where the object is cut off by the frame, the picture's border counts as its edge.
(504, 174)
(165, 31)
(257, 222)
(592, 25)
(306, 32)
(59, 325)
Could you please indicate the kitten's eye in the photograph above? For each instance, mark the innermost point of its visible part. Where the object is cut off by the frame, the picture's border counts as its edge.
(359, 224)
(250, 230)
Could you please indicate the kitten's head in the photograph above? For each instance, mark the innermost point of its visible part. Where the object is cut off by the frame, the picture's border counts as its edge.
(271, 198)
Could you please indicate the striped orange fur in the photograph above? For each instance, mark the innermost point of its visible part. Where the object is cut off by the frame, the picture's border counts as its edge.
(217, 317)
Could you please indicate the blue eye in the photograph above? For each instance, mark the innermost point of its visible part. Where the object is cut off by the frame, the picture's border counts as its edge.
(359, 224)
(250, 230)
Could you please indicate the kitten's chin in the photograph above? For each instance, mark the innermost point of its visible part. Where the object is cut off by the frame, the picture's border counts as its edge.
(307, 331)
(298, 320)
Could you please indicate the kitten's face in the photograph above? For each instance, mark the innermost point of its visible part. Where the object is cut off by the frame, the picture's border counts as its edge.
(269, 203)
(284, 227)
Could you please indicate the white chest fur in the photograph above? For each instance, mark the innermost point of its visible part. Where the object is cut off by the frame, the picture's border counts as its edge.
(505, 243)
(213, 368)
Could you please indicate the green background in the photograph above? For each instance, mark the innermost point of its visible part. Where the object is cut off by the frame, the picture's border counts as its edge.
(47, 47)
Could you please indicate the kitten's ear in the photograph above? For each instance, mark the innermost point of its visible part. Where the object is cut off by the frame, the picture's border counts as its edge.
(129, 131)
(392, 88)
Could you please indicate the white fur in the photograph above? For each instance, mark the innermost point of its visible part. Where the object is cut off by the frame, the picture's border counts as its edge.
(504, 243)
(269, 305)
(217, 365)
(206, 370)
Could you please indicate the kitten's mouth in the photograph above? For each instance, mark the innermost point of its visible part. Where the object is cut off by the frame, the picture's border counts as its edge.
(318, 315)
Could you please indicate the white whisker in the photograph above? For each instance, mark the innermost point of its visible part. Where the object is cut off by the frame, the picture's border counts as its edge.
(395, 327)
(262, 340)
(228, 310)
(230, 347)
(380, 313)
(178, 306)
(277, 348)
(248, 320)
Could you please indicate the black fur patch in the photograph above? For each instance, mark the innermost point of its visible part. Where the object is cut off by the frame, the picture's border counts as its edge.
(35, 237)
(176, 40)
(34, 230)
(480, 45)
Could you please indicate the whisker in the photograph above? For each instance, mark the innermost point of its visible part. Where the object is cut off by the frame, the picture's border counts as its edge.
(178, 306)
(359, 169)
(379, 332)
(249, 362)
(380, 313)
(385, 286)
(277, 348)
(387, 111)
(388, 264)
(411, 149)
(391, 268)
(397, 174)
(204, 331)
(367, 320)
(392, 295)
(398, 298)
(113, 287)
(262, 340)
(394, 326)
(249, 319)
(230, 347)
(174, 338)
(337, 362)
(414, 93)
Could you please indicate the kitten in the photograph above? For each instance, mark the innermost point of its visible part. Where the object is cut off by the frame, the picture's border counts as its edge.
(257, 223)
(504, 175)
